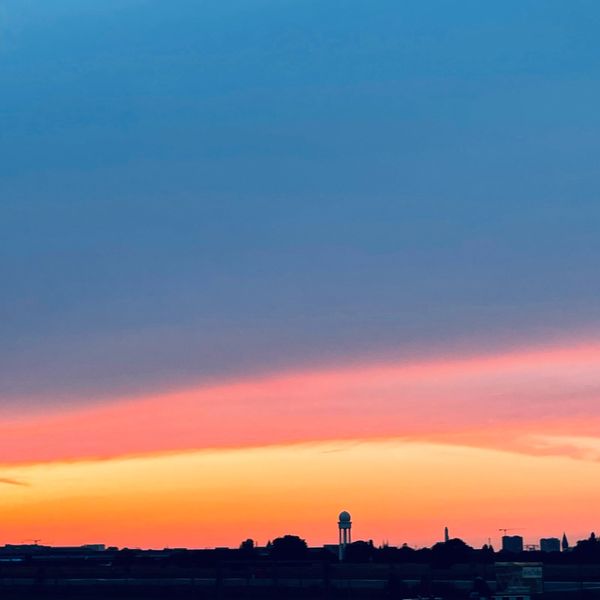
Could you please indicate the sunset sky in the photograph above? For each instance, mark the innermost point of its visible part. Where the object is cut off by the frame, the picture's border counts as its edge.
(265, 260)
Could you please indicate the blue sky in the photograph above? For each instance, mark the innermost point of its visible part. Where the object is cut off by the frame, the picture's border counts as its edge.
(191, 190)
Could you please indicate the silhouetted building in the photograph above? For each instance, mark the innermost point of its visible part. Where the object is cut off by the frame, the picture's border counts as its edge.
(446, 534)
(550, 545)
(345, 533)
(512, 543)
(565, 543)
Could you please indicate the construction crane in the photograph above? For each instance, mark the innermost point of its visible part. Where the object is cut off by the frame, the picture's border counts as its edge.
(505, 529)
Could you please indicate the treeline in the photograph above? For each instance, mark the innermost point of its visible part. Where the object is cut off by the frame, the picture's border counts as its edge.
(294, 548)
(457, 551)
(442, 554)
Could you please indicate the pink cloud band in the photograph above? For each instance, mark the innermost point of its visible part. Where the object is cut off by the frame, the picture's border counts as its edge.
(501, 401)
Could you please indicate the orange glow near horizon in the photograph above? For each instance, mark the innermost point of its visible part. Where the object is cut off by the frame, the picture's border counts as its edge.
(474, 443)
(397, 491)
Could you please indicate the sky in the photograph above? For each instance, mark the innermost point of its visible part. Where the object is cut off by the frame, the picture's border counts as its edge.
(265, 260)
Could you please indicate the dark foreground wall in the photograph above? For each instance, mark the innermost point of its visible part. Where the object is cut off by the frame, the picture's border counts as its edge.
(274, 580)
(263, 590)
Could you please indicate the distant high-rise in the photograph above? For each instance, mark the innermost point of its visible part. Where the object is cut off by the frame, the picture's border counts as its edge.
(345, 533)
(512, 543)
(550, 545)
(446, 534)
(565, 543)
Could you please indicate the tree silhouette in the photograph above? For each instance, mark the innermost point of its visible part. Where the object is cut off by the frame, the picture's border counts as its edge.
(588, 550)
(450, 552)
(247, 548)
(289, 547)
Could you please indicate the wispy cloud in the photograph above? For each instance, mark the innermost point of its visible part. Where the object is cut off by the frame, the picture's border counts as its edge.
(9, 481)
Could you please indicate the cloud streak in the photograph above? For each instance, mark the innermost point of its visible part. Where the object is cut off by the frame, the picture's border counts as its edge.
(10, 481)
(509, 401)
